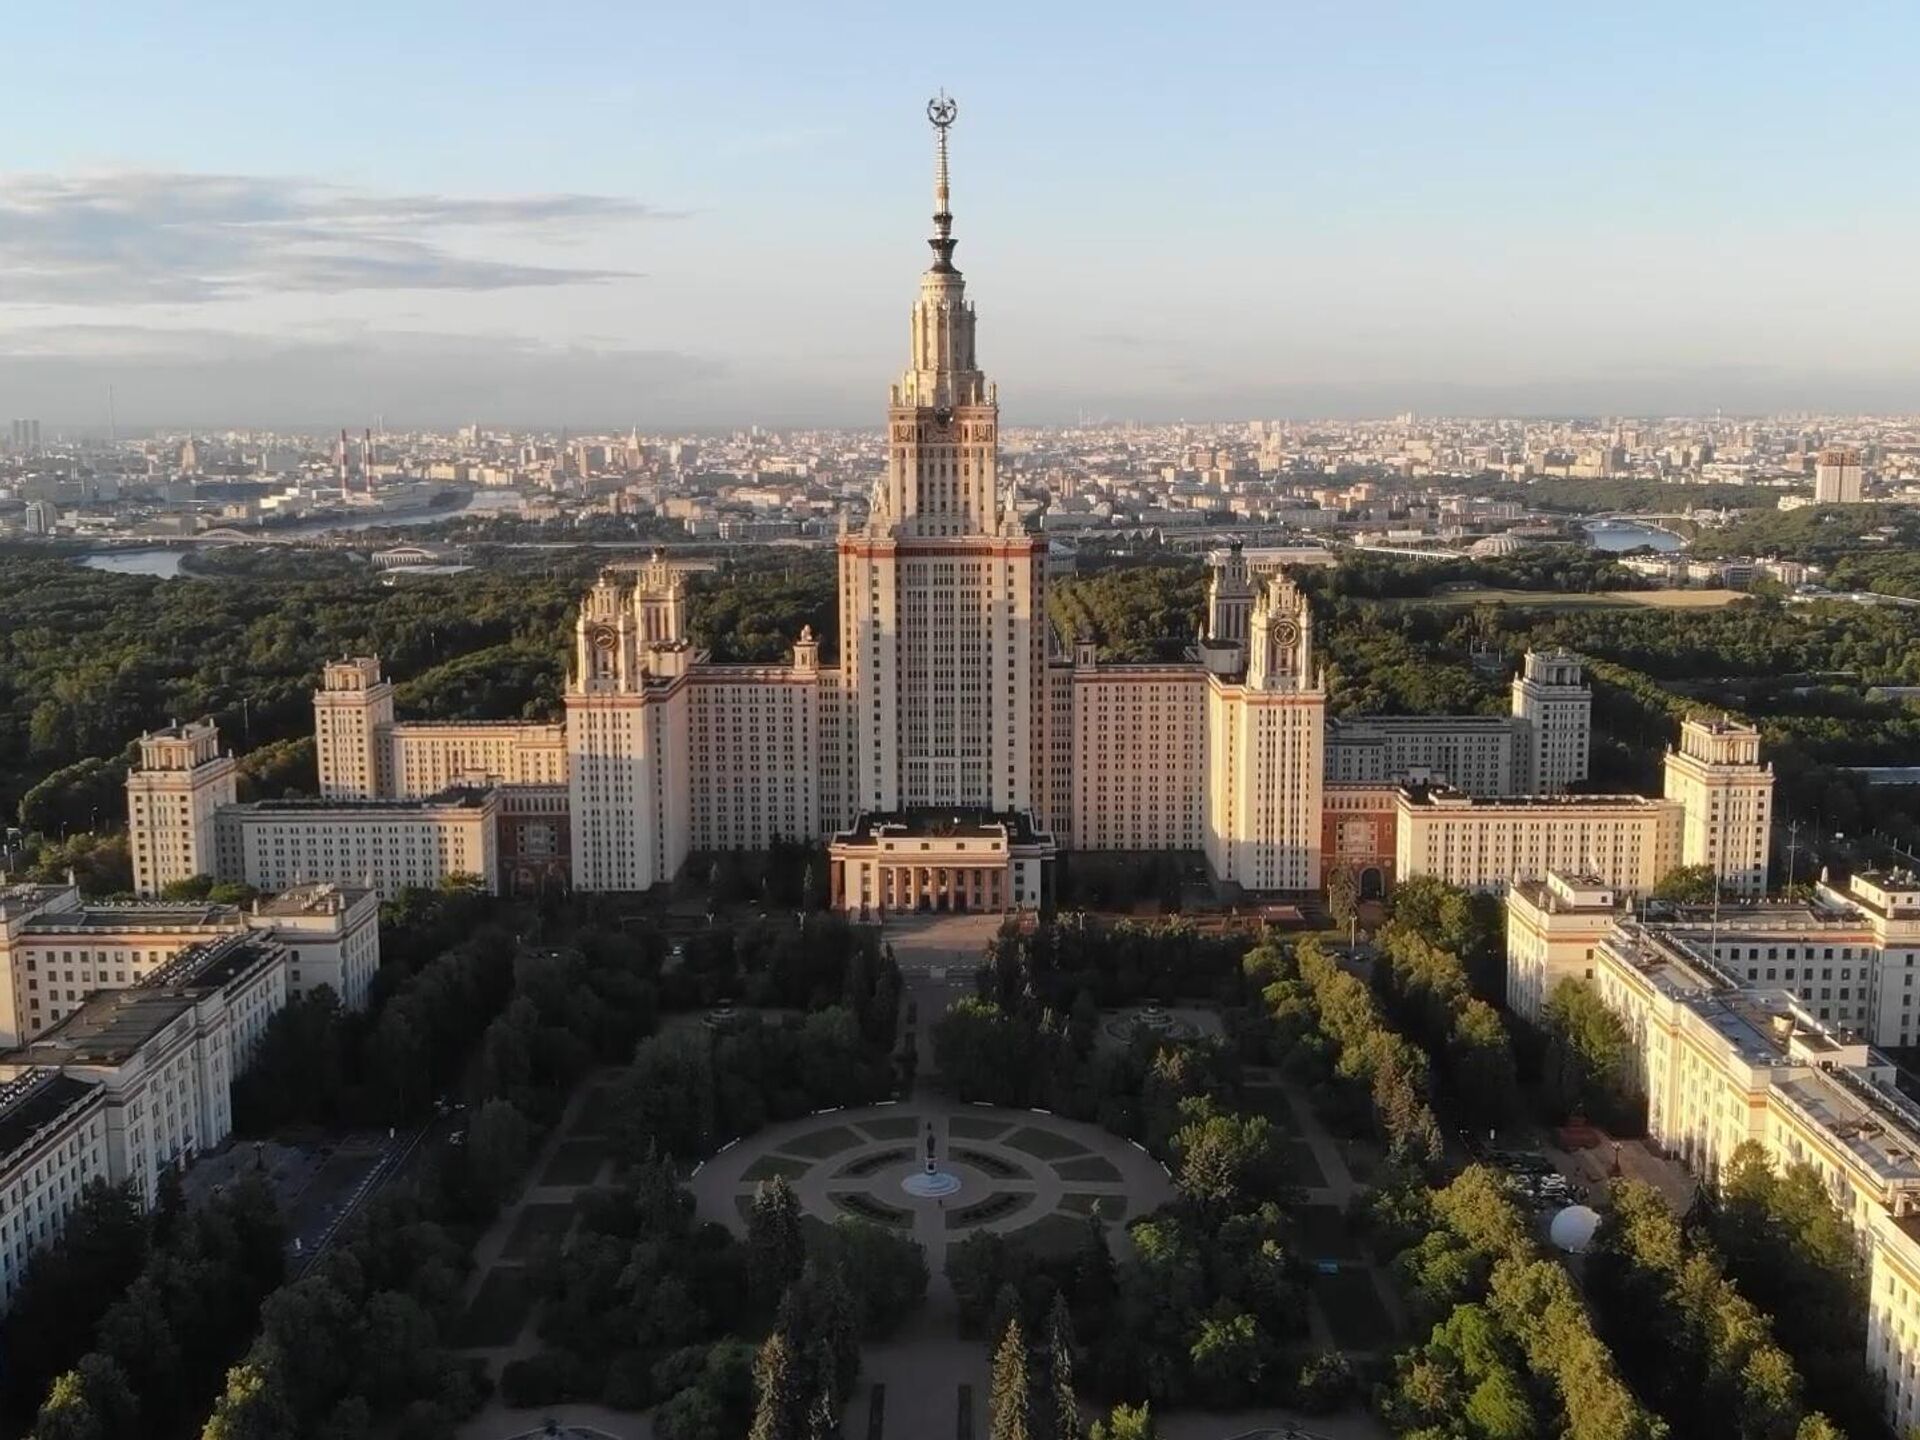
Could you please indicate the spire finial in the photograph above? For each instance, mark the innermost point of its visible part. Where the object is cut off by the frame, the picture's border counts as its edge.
(942, 111)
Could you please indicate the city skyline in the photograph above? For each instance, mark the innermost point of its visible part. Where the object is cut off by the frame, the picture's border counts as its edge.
(1293, 215)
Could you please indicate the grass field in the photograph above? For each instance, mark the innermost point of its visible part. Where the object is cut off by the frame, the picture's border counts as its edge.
(829, 1140)
(1597, 600)
(1088, 1167)
(1044, 1143)
(891, 1127)
(972, 1127)
(575, 1162)
(768, 1166)
(499, 1310)
(542, 1220)
(1355, 1314)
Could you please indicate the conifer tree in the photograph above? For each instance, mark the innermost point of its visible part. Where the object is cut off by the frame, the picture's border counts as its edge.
(1066, 1405)
(776, 1389)
(1011, 1400)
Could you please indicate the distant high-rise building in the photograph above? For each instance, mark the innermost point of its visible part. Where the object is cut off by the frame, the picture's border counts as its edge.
(172, 800)
(1551, 696)
(1836, 477)
(26, 437)
(1718, 776)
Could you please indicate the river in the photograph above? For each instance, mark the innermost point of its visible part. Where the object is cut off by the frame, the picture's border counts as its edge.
(1625, 535)
(165, 562)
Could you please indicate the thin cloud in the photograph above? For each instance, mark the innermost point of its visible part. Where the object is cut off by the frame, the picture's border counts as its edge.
(160, 238)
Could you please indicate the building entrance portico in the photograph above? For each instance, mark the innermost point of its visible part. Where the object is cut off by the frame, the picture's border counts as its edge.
(927, 863)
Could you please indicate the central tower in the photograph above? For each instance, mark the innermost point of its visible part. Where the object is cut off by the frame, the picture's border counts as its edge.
(942, 593)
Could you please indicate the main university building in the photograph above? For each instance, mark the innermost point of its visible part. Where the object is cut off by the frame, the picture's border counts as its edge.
(957, 747)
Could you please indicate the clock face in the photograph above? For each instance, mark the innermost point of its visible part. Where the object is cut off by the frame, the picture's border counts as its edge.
(1287, 633)
(605, 637)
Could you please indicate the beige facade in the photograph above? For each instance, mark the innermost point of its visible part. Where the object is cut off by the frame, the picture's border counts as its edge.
(1552, 701)
(1554, 928)
(363, 753)
(754, 746)
(172, 798)
(56, 950)
(428, 757)
(383, 845)
(1727, 794)
(53, 1143)
(1266, 759)
(332, 935)
(1626, 842)
(164, 1054)
(352, 711)
(1724, 1063)
(1139, 748)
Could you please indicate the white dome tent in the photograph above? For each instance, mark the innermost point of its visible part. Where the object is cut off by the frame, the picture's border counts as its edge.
(1572, 1229)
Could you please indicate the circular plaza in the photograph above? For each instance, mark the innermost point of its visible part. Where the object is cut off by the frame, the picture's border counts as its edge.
(941, 1172)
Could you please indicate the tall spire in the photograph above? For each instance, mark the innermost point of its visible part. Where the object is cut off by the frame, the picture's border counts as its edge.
(942, 112)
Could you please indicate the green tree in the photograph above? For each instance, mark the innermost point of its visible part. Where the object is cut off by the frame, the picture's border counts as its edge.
(1688, 885)
(250, 1408)
(777, 1395)
(1060, 1344)
(91, 1402)
(1010, 1405)
(776, 1244)
(1126, 1422)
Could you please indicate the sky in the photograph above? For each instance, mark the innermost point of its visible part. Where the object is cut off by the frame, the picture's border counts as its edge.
(676, 217)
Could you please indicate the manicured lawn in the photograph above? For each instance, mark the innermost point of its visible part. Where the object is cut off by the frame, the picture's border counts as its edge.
(892, 1127)
(1354, 1312)
(543, 1220)
(974, 1127)
(875, 1160)
(499, 1310)
(768, 1166)
(1577, 600)
(1324, 1234)
(575, 1162)
(1044, 1143)
(1298, 1165)
(863, 1206)
(997, 1166)
(1085, 1202)
(827, 1140)
(1087, 1167)
(985, 1212)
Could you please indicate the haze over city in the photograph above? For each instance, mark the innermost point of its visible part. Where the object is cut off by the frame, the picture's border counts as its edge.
(598, 215)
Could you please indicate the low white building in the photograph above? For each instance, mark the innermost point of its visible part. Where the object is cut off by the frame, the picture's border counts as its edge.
(333, 934)
(386, 845)
(53, 1141)
(165, 1053)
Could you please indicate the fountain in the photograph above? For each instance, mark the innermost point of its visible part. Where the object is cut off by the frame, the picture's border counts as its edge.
(932, 1183)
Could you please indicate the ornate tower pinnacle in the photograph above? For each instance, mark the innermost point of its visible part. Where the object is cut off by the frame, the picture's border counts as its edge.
(942, 111)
